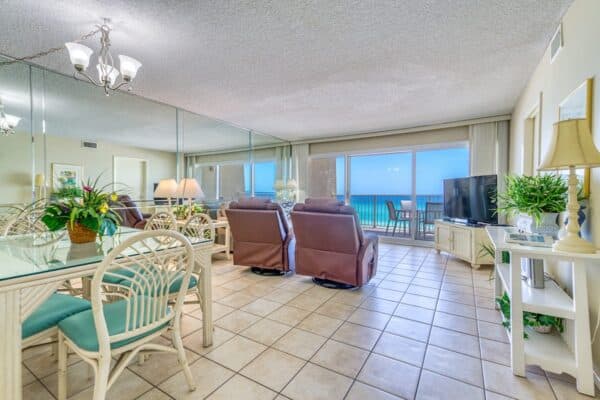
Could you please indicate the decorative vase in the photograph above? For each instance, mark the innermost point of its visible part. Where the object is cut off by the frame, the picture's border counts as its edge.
(547, 225)
(80, 234)
(543, 328)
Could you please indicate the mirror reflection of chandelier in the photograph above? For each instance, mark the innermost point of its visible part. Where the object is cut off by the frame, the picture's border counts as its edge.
(8, 122)
(108, 74)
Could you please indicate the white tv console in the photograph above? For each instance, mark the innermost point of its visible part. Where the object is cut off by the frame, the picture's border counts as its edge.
(463, 241)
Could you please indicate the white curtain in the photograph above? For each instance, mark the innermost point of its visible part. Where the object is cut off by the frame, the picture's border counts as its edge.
(488, 149)
(488, 144)
(300, 169)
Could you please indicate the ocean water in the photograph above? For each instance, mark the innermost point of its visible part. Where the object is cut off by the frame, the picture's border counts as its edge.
(372, 209)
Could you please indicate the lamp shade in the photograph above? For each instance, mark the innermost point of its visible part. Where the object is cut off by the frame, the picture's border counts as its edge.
(166, 188)
(12, 120)
(129, 67)
(79, 55)
(189, 188)
(571, 146)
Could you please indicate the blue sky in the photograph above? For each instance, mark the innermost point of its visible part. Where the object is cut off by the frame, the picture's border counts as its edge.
(391, 173)
(264, 175)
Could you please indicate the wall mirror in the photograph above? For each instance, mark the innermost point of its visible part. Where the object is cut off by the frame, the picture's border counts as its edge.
(69, 131)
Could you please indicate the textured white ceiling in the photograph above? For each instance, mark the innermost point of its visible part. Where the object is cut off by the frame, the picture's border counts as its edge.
(300, 68)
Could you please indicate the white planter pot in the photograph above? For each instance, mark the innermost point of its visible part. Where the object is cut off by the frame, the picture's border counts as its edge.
(523, 223)
(543, 329)
(547, 226)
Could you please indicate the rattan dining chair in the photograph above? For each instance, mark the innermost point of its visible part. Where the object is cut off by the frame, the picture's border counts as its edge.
(40, 327)
(28, 220)
(7, 214)
(157, 261)
(161, 220)
(199, 226)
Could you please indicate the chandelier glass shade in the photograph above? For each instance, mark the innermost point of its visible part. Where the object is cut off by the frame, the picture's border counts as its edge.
(108, 74)
(8, 122)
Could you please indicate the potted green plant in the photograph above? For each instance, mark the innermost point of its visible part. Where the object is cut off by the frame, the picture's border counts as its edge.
(536, 200)
(539, 322)
(85, 213)
(183, 211)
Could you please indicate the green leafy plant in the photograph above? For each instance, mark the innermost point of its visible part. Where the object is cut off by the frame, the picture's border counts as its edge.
(88, 206)
(182, 211)
(533, 195)
(487, 250)
(529, 319)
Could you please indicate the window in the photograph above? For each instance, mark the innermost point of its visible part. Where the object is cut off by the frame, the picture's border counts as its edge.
(264, 179)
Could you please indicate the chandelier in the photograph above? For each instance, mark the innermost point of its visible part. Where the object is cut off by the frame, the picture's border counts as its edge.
(108, 75)
(8, 122)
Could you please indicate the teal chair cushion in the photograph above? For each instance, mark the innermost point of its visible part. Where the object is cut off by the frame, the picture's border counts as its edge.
(51, 312)
(175, 286)
(121, 274)
(81, 329)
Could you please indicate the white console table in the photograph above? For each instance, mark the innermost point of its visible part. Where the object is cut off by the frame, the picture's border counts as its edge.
(462, 241)
(549, 351)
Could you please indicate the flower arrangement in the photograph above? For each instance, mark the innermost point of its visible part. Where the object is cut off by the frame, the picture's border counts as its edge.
(85, 213)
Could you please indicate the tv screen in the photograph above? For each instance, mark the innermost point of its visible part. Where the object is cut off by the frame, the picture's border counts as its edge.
(471, 198)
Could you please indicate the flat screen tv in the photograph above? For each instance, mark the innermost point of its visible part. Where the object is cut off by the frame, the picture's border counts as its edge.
(471, 199)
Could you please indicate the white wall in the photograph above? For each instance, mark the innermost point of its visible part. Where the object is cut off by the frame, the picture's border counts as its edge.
(577, 61)
(160, 164)
(16, 162)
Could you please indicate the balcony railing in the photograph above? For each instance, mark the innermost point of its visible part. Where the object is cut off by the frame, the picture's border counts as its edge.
(373, 212)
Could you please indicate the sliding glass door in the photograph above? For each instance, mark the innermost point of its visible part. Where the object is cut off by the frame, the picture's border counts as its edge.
(401, 193)
(431, 168)
(376, 180)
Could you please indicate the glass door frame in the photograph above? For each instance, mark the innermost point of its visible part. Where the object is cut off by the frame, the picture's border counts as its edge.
(413, 150)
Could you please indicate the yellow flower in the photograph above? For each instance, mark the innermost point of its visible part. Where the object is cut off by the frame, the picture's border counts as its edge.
(114, 197)
(103, 208)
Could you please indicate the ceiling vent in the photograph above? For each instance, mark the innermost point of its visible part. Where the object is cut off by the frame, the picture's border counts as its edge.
(556, 44)
(89, 145)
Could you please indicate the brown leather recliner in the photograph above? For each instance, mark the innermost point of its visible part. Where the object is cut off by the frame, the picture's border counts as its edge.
(330, 244)
(261, 234)
(130, 213)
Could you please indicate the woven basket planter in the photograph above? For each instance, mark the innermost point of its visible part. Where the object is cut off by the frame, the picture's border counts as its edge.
(80, 234)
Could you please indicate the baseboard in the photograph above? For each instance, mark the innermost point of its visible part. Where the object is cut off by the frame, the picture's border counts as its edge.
(597, 377)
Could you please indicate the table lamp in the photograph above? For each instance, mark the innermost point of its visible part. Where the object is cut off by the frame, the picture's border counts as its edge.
(572, 147)
(189, 189)
(167, 188)
(40, 186)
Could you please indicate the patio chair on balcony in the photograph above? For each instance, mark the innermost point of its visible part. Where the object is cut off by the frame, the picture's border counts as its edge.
(402, 216)
(427, 218)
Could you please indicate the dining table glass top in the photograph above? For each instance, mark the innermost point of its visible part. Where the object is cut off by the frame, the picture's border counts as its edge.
(31, 254)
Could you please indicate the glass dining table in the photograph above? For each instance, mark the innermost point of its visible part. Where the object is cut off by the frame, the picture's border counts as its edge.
(33, 266)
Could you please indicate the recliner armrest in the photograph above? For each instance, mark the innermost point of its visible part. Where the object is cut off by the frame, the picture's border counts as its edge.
(367, 258)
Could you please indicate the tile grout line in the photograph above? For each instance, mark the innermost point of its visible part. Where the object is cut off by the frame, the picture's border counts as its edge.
(429, 332)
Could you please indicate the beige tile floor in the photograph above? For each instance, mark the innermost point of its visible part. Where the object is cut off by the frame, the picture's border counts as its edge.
(424, 328)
